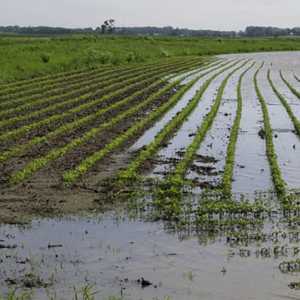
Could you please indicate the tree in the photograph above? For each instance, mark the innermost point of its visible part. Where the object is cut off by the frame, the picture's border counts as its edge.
(108, 26)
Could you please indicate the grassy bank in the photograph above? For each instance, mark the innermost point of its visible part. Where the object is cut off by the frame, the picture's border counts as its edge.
(24, 57)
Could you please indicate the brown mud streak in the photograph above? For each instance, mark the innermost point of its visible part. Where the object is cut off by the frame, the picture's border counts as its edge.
(44, 194)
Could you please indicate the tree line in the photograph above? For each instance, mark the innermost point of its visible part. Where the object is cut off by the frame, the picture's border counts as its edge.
(108, 27)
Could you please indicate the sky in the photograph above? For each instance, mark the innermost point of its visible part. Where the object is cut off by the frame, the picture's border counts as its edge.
(195, 14)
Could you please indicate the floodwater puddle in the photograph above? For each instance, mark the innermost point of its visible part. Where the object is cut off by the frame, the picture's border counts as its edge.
(286, 142)
(184, 136)
(118, 256)
(251, 170)
(149, 135)
(208, 173)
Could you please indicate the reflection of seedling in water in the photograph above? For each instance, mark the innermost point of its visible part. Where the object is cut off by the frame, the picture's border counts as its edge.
(189, 275)
(262, 133)
(85, 293)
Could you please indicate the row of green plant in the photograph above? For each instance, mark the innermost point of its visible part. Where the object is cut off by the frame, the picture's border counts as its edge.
(56, 153)
(85, 81)
(45, 86)
(86, 88)
(49, 93)
(83, 167)
(14, 86)
(291, 88)
(77, 123)
(231, 148)
(280, 185)
(132, 172)
(72, 175)
(82, 121)
(285, 103)
(170, 192)
(15, 133)
(297, 78)
(60, 78)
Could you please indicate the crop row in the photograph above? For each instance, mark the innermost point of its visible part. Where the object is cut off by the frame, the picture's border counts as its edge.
(231, 148)
(131, 173)
(20, 105)
(71, 126)
(82, 121)
(71, 103)
(278, 181)
(29, 83)
(64, 90)
(285, 103)
(291, 88)
(72, 175)
(85, 106)
(45, 92)
(43, 89)
(175, 181)
(58, 78)
(56, 153)
(87, 86)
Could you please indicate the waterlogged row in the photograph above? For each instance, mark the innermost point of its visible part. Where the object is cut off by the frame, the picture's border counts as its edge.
(84, 121)
(21, 87)
(39, 163)
(173, 184)
(124, 88)
(86, 92)
(165, 121)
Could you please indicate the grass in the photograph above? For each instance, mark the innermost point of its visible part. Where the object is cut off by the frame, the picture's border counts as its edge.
(22, 57)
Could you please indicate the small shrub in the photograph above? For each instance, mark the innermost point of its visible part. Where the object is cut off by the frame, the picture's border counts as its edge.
(45, 58)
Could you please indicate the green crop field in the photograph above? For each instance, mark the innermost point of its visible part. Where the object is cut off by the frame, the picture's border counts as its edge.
(24, 57)
(201, 135)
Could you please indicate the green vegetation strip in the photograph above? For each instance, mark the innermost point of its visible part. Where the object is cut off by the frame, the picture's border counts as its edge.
(44, 87)
(86, 84)
(175, 180)
(285, 103)
(20, 86)
(72, 175)
(123, 86)
(131, 173)
(230, 156)
(15, 133)
(86, 88)
(297, 78)
(69, 127)
(40, 80)
(80, 122)
(291, 88)
(279, 183)
(48, 94)
(54, 154)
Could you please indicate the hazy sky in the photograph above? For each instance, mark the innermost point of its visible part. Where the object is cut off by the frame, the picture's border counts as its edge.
(206, 14)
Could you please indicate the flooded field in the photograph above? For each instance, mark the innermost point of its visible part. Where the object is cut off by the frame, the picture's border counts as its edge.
(187, 180)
